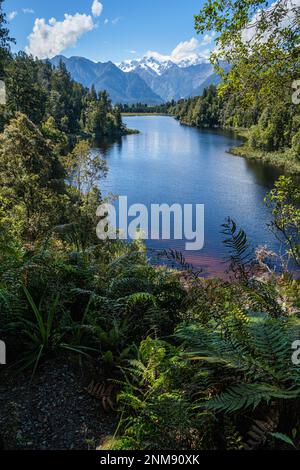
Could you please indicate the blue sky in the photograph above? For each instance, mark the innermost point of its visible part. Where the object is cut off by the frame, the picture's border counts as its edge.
(113, 30)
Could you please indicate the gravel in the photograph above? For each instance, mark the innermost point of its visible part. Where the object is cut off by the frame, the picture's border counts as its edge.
(53, 412)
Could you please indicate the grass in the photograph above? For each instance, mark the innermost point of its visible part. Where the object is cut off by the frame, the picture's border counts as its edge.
(283, 160)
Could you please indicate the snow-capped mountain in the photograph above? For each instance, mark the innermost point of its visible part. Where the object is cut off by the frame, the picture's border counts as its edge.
(150, 64)
(151, 80)
(195, 59)
(122, 87)
(170, 79)
(160, 65)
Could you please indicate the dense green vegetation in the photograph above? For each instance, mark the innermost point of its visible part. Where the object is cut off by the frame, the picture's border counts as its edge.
(142, 108)
(256, 93)
(198, 363)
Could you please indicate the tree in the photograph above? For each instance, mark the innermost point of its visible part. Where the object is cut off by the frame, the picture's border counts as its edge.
(31, 177)
(5, 41)
(24, 92)
(284, 201)
(60, 105)
(57, 137)
(85, 168)
(260, 43)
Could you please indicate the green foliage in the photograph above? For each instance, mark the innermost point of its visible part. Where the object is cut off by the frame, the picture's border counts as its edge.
(5, 41)
(283, 438)
(233, 439)
(161, 416)
(264, 60)
(176, 397)
(31, 176)
(39, 333)
(240, 256)
(143, 108)
(204, 111)
(284, 201)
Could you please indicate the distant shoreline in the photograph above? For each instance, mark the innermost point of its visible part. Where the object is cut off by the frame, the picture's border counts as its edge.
(144, 114)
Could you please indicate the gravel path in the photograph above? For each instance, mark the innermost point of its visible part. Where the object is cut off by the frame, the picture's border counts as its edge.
(53, 412)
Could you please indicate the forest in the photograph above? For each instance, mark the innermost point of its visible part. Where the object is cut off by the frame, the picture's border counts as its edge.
(144, 108)
(175, 359)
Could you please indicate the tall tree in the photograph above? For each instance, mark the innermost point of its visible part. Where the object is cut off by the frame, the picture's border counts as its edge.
(25, 93)
(5, 41)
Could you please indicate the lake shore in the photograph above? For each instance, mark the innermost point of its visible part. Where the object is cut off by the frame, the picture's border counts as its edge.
(282, 160)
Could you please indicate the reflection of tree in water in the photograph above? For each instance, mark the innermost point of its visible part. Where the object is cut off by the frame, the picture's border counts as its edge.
(265, 174)
(106, 143)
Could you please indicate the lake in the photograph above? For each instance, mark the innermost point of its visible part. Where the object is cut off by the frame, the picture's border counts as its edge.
(170, 163)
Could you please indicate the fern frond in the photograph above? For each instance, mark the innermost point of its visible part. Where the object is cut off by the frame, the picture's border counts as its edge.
(240, 255)
(245, 396)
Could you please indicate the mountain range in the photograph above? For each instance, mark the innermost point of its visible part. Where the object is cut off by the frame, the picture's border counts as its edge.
(148, 80)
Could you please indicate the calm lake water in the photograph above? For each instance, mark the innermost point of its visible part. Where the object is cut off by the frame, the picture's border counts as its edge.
(170, 163)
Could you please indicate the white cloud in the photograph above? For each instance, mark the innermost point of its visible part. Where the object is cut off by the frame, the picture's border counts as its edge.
(106, 21)
(185, 50)
(50, 39)
(27, 10)
(97, 8)
(11, 16)
(208, 39)
(116, 20)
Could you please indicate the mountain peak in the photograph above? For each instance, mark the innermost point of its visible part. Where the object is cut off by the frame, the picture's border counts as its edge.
(122, 87)
(159, 65)
(149, 80)
(148, 63)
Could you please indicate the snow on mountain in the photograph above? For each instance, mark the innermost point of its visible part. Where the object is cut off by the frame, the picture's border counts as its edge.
(160, 66)
(195, 59)
(170, 79)
(147, 63)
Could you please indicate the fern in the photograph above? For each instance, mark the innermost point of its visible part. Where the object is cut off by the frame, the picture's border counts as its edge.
(245, 396)
(240, 256)
(258, 365)
(232, 437)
